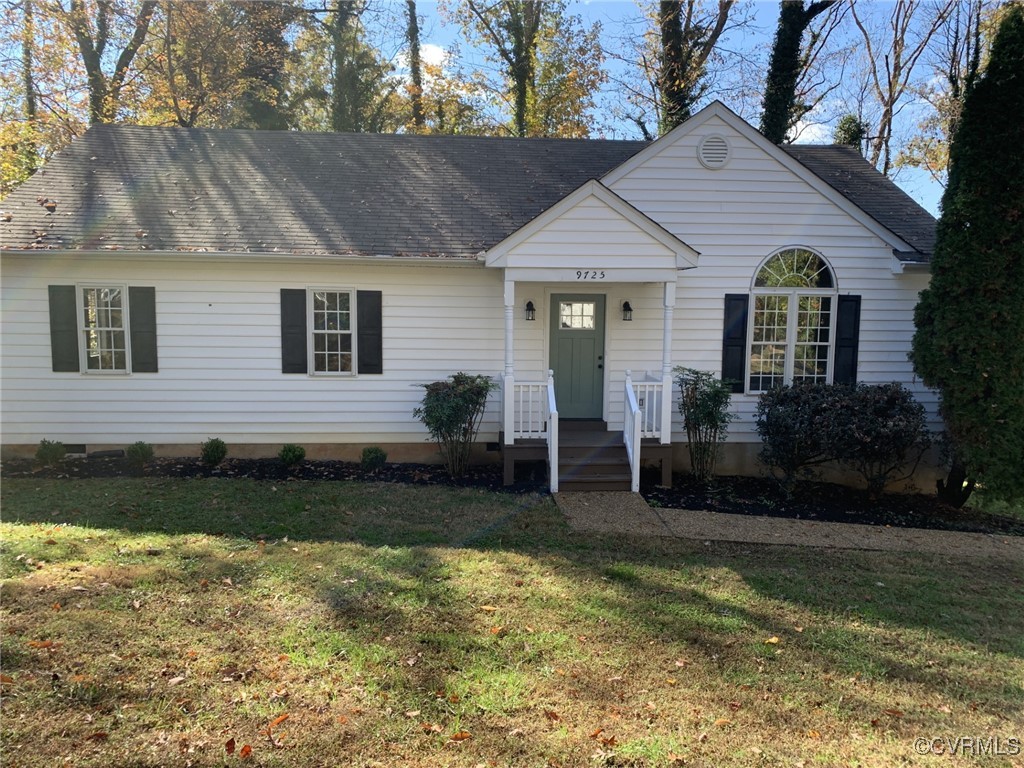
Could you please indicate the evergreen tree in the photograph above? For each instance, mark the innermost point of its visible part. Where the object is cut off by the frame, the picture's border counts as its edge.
(850, 131)
(969, 342)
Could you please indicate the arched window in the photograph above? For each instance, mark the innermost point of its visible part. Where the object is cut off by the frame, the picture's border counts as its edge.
(792, 320)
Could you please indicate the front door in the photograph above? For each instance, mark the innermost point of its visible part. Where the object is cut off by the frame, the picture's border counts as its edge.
(577, 355)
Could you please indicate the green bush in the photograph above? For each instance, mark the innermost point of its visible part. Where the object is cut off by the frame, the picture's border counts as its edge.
(373, 458)
(452, 411)
(704, 406)
(790, 422)
(138, 454)
(50, 452)
(292, 455)
(213, 451)
(876, 430)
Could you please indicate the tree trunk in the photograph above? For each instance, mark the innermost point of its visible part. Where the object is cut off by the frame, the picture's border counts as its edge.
(415, 68)
(784, 67)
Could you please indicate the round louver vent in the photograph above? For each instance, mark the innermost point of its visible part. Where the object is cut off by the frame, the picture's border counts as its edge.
(713, 152)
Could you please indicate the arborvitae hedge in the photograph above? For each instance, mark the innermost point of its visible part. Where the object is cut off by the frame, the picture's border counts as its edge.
(970, 321)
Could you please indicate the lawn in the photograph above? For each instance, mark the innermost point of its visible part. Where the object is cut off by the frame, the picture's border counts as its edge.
(221, 622)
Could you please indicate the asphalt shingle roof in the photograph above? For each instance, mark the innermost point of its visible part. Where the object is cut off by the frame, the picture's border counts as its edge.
(851, 175)
(124, 187)
(127, 187)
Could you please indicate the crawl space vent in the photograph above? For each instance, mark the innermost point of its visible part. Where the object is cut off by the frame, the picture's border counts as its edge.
(713, 152)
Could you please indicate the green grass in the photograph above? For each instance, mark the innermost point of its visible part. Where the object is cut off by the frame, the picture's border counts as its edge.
(147, 622)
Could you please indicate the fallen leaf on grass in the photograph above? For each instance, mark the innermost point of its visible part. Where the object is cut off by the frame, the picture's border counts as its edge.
(50, 541)
(722, 722)
(98, 736)
(488, 608)
(682, 663)
(813, 734)
(551, 715)
(735, 706)
(55, 607)
(40, 644)
(245, 752)
(609, 742)
(6, 679)
(461, 736)
(892, 712)
(597, 733)
(430, 727)
(772, 640)
(176, 680)
(412, 713)
(229, 747)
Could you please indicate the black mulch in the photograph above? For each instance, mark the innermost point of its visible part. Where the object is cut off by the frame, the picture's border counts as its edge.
(737, 495)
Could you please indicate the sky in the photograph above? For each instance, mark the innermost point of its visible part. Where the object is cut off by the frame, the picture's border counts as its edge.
(615, 16)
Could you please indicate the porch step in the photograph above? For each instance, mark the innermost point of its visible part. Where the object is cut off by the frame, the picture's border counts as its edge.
(592, 460)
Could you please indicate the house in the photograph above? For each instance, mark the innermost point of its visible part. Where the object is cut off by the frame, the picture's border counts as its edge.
(171, 285)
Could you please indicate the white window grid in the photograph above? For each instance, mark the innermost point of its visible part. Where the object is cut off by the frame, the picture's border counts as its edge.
(791, 330)
(332, 331)
(103, 328)
(577, 315)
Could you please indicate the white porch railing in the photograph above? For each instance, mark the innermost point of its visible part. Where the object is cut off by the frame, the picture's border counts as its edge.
(655, 407)
(531, 413)
(632, 430)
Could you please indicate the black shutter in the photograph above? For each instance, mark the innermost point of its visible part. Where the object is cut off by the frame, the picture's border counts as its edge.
(142, 328)
(370, 332)
(734, 340)
(844, 368)
(63, 329)
(293, 330)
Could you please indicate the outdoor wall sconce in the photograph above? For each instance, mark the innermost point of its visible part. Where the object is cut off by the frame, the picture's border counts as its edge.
(531, 311)
(627, 311)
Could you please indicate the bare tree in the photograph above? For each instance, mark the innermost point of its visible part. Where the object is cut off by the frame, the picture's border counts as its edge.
(892, 55)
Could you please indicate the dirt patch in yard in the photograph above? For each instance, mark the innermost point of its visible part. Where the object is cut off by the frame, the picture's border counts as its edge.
(823, 502)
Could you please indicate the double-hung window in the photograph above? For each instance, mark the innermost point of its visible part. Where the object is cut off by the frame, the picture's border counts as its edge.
(333, 329)
(792, 321)
(104, 329)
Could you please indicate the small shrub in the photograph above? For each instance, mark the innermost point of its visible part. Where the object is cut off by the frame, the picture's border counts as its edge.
(292, 455)
(138, 454)
(879, 430)
(50, 452)
(213, 451)
(790, 422)
(373, 458)
(704, 407)
(452, 411)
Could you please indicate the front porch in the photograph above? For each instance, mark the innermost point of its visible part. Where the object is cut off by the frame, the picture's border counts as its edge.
(585, 454)
(597, 272)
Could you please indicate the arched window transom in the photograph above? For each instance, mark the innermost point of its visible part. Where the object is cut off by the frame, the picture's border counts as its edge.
(792, 320)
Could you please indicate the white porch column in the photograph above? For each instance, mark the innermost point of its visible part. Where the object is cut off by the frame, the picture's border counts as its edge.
(508, 379)
(666, 363)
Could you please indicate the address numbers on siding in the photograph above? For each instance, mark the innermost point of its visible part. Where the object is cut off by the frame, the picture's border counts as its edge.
(590, 274)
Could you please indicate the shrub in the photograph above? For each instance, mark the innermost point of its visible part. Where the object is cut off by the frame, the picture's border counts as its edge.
(50, 452)
(875, 430)
(704, 407)
(291, 454)
(213, 451)
(138, 454)
(879, 430)
(452, 411)
(374, 458)
(790, 423)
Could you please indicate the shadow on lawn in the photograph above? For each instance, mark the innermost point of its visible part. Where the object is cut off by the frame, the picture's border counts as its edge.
(461, 661)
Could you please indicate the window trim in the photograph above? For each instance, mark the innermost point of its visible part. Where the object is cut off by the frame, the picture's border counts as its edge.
(83, 347)
(793, 297)
(353, 331)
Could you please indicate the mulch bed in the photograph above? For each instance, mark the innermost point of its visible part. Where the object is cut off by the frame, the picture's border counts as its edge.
(735, 495)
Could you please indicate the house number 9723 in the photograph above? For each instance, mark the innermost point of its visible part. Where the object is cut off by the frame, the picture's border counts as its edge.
(590, 274)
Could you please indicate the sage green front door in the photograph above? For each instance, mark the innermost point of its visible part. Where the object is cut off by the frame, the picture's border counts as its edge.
(577, 355)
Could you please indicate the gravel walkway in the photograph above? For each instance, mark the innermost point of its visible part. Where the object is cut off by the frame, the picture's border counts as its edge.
(628, 513)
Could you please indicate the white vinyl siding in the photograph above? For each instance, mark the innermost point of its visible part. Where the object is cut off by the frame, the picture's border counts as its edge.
(739, 215)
